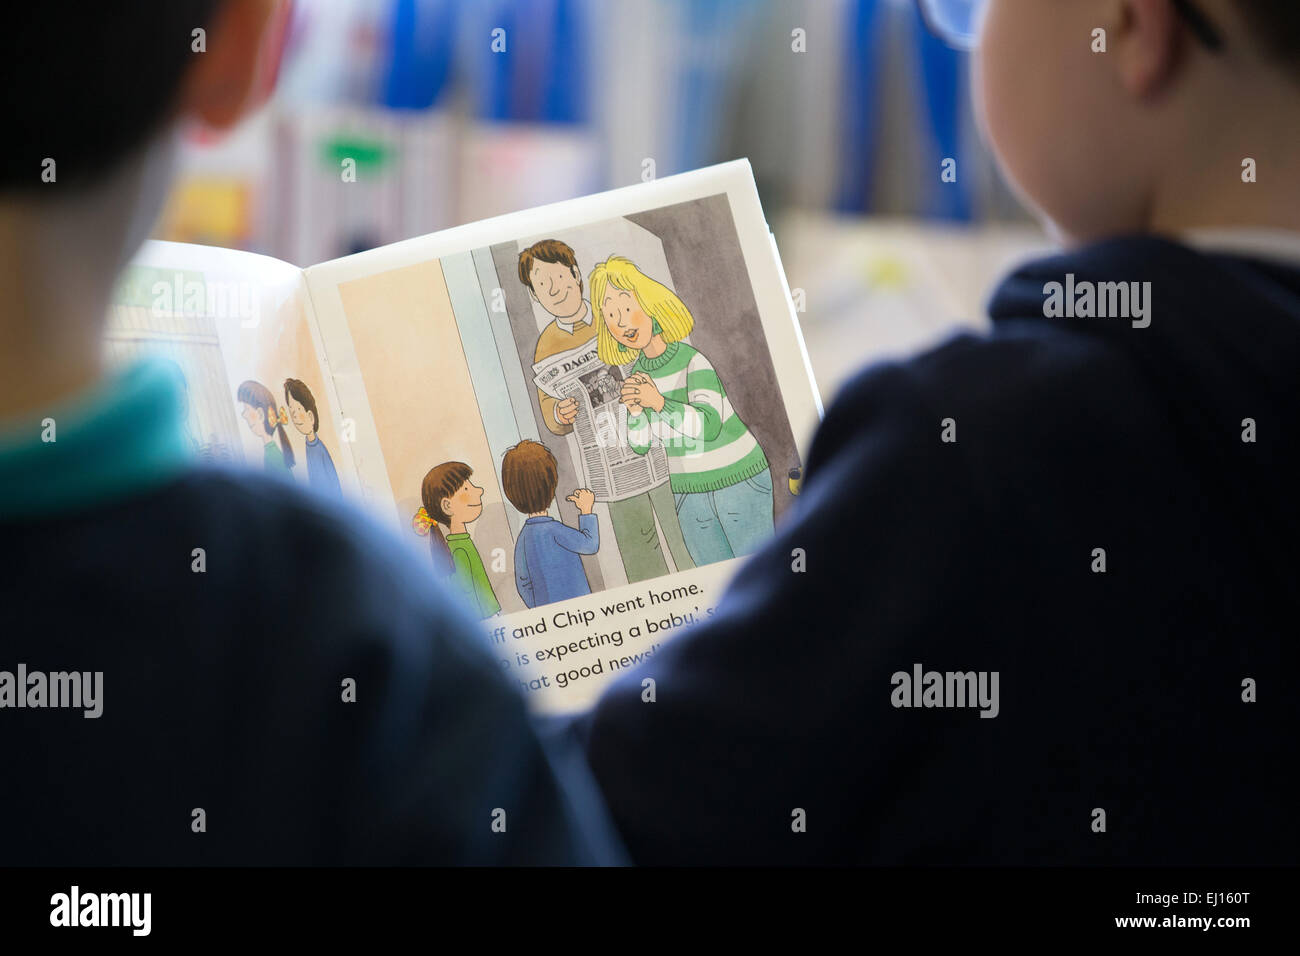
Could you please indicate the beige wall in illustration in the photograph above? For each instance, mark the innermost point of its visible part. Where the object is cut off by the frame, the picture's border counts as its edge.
(417, 382)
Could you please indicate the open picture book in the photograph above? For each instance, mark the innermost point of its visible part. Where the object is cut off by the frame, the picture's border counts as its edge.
(582, 416)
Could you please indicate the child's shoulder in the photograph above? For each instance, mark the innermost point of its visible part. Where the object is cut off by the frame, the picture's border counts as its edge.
(278, 560)
(261, 530)
(535, 526)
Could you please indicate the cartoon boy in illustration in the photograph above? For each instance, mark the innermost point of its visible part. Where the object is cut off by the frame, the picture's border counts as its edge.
(321, 473)
(453, 502)
(547, 563)
(719, 475)
(549, 269)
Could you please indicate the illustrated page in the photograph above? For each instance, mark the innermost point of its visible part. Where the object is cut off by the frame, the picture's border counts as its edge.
(582, 416)
(237, 330)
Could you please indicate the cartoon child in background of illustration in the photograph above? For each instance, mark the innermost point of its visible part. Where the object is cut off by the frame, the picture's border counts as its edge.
(452, 501)
(720, 478)
(321, 473)
(548, 566)
(264, 419)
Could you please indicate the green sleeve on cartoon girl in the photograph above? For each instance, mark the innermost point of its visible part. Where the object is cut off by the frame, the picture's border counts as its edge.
(470, 577)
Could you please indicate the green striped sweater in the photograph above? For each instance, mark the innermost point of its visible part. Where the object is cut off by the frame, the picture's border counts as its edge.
(708, 445)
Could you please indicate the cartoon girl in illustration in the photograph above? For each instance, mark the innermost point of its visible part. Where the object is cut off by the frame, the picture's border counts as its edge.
(451, 502)
(321, 473)
(264, 418)
(718, 473)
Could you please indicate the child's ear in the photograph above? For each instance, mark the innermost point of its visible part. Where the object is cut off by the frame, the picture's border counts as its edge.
(221, 85)
(1147, 45)
(445, 505)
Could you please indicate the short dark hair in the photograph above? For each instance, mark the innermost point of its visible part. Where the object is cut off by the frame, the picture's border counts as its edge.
(1277, 23)
(88, 83)
(529, 476)
(297, 390)
(548, 250)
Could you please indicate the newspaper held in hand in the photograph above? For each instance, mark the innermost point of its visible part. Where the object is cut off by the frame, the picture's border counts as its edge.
(612, 470)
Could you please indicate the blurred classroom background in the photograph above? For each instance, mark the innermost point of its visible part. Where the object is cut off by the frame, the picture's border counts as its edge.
(456, 110)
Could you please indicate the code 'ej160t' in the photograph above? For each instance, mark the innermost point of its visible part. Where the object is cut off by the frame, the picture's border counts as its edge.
(1209, 898)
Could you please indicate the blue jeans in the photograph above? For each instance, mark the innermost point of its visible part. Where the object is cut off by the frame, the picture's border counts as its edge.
(729, 522)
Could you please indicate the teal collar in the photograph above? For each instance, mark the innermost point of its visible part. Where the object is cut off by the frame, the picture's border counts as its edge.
(123, 436)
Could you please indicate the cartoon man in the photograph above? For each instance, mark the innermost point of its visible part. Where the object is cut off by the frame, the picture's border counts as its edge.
(549, 270)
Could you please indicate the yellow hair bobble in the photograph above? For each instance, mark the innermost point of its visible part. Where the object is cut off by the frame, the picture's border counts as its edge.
(422, 522)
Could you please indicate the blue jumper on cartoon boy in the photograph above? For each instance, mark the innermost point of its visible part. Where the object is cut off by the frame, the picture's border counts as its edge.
(321, 473)
(548, 562)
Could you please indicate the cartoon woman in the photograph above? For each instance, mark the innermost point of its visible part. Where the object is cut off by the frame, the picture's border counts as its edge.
(264, 419)
(321, 473)
(718, 473)
(452, 501)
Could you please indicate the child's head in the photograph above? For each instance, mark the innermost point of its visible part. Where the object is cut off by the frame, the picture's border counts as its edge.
(1151, 134)
(92, 95)
(264, 418)
(447, 495)
(302, 406)
(72, 99)
(529, 476)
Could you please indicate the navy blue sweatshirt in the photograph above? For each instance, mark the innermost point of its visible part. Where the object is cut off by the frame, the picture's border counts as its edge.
(224, 688)
(1098, 534)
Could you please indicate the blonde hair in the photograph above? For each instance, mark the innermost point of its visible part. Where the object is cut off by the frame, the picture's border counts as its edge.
(655, 299)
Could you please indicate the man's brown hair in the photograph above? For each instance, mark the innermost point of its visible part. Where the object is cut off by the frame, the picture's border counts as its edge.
(529, 476)
(548, 250)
